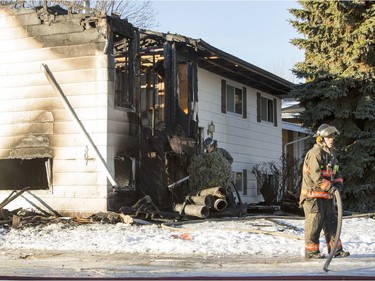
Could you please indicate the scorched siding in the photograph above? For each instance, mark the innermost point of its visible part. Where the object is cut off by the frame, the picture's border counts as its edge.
(75, 57)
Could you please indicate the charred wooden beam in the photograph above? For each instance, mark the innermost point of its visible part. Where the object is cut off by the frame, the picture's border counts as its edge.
(14, 194)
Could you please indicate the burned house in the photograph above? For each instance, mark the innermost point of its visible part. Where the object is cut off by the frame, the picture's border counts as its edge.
(96, 114)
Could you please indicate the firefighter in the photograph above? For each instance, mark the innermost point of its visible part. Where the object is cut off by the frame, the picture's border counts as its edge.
(210, 145)
(320, 179)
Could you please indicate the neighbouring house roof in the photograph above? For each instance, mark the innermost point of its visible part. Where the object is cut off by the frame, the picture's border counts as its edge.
(227, 65)
(295, 128)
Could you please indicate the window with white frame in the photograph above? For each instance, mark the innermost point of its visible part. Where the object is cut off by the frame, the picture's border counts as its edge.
(266, 109)
(237, 180)
(234, 99)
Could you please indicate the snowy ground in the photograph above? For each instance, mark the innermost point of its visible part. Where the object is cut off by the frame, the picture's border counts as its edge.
(250, 246)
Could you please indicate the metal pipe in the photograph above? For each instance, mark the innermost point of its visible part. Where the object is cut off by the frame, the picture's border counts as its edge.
(207, 200)
(178, 182)
(215, 191)
(298, 140)
(200, 211)
(74, 116)
(220, 204)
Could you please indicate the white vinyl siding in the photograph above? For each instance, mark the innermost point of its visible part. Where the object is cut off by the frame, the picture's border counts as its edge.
(248, 141)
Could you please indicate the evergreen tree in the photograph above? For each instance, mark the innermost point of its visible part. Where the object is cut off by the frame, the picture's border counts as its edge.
(338, 40)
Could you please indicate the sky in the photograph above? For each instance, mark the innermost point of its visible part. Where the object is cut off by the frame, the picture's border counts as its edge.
(255, 31)
(266, 238)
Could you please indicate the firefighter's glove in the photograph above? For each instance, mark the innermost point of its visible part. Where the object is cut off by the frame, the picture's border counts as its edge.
(339, 186)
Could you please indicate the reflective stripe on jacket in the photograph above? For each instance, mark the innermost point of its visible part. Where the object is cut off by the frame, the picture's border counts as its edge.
(318, 170)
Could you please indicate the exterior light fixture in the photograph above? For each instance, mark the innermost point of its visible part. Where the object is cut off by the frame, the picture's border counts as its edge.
(211, 129)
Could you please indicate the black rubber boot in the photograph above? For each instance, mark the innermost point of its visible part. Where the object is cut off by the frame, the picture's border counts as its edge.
(341, 254)
(314, 255)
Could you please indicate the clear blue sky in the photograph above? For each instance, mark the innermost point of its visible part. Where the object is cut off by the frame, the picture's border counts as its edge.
(255, 31)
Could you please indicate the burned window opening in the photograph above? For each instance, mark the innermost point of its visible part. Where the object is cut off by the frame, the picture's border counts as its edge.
(16, 174)
(152, 98)
(125, 172)
(124, 96)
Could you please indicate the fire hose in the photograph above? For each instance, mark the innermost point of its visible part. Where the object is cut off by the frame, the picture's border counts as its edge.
(338, 230)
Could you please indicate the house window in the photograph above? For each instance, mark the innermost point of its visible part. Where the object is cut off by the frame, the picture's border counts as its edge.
(234, 99)
(124, 83)
(123, 97)
(237, 180)
(266, 109)
(17, 174)
(125, 171)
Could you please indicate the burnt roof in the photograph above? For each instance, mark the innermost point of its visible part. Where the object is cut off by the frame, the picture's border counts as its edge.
(227, 65)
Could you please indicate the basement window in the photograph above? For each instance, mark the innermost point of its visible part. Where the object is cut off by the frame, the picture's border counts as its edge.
(17, 174)
(237, 180)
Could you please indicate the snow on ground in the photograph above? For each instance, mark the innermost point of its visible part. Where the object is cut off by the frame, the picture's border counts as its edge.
(246, 236)
(234, 247)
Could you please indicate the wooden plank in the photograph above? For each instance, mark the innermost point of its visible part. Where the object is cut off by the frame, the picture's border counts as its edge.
(42, 91)
(22, 117)
(35, 104)
(74, 165)
(38, 79)
(8, 19)
(25, 16)
(66, 27)
(46, 54)
(78, 178)
(12, 33)
(86, 37)
(70, 152)
(82, 190)
(19, 44)
(58, 65)
(64, 205)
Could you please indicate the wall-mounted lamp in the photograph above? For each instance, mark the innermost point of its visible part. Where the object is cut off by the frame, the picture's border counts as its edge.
(211, 129)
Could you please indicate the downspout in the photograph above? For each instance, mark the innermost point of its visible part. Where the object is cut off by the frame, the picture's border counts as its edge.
(70, 109)
(295, 141)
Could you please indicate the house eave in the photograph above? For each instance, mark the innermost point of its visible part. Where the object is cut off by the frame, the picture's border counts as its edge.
(229, 66)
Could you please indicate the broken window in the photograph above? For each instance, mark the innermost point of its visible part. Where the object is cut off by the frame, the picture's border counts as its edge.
(17, 174)
(183, 87)
(124, 96)
(152, 90)
(125, 171)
